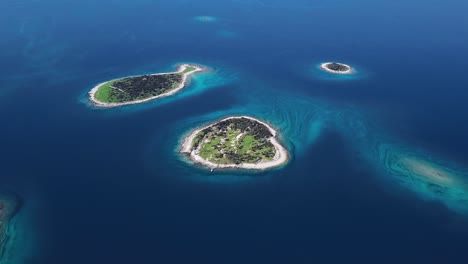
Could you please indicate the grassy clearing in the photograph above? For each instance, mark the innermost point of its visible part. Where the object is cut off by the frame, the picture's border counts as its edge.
(103, 93)
(108, 94)
(189, 69)
(246, 143)
(209, 149)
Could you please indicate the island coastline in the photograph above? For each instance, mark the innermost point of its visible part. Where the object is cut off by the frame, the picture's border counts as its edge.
(180, 69)
(9, 205)
(281, 154)
(324, 66)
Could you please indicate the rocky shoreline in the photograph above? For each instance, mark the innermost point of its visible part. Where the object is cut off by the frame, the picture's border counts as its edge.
(281, 154)
(180, 69)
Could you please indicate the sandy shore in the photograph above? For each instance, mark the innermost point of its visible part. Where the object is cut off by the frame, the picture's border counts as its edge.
(324, 67)
(180, 69)
(281, 155)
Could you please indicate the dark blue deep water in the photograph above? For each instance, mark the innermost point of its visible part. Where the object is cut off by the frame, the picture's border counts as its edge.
(108, 186)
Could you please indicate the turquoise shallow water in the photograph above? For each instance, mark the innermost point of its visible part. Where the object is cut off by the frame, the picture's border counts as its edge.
(109, 186)
(387, 156)
(22, 243)
(209, 79)
(302, 120)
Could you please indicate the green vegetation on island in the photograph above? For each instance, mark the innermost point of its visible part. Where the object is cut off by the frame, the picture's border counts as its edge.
(235, 141)
(142, 87)
(338, 67)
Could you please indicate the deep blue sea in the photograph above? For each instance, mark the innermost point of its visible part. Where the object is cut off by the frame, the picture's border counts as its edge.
(109, 186)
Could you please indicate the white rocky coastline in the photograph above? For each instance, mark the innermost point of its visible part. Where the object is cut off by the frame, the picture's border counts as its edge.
(281, 154)
(324, 66)
(180, 69)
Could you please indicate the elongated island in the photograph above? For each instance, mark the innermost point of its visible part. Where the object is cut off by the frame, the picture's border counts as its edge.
(239, 142)
(9, 204)
(140, 89)
(337, 68)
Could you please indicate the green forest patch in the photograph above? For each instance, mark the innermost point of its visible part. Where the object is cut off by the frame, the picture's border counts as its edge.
(235, 141)
(140, 87)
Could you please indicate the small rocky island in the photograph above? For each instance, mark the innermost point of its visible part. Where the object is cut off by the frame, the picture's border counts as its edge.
(140, 89)
(235, 142)
(9, 204)
(335, 67)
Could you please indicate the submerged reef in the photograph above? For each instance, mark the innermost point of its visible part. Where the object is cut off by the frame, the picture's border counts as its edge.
(433, 179)
(205, 19)
(418, 170)
(9, 204)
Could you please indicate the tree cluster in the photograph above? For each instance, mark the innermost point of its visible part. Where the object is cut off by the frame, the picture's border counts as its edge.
(263, 148)
(145, 86)
(337, 67)
(254, 128)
